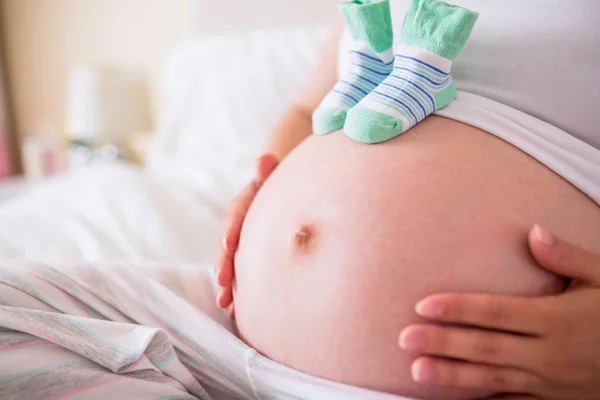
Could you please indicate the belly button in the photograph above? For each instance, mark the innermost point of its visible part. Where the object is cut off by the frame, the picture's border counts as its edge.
(304, 238)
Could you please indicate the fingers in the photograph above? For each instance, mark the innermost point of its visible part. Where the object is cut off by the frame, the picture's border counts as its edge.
(473, 345)
(225, 274)
(225, 268)
(438, 372)
(225, 297)
(564, 258)
(231, 311)
(265, 167)
(510, 314)
(233, 226)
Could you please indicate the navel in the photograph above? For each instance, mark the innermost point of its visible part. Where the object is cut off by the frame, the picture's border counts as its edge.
(304, 238)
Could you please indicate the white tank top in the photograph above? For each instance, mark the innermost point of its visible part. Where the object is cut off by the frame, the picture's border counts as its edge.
(530, 74)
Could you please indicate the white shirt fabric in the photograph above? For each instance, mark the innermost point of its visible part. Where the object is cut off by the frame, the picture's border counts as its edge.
(530, 75)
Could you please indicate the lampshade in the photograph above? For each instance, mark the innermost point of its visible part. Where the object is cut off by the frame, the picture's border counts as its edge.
(106, 104)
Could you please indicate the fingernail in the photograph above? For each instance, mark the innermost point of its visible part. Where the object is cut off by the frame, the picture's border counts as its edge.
(429, 309)
(543, 236)
(226, 245)
(224, 242)
(422, 371)
(412, 340)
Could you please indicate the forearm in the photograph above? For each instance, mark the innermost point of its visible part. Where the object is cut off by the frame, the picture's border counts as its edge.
(294, 127)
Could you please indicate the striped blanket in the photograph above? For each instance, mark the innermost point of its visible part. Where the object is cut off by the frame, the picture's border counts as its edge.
(105, 332)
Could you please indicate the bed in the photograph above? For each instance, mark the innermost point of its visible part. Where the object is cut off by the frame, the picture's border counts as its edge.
(210, 133)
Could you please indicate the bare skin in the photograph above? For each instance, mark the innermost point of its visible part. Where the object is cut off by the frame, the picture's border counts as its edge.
(425, 213)
(233, 227)
(546, 347)
(293, 130)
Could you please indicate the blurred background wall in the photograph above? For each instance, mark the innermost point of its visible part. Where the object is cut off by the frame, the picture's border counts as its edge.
(43, 38)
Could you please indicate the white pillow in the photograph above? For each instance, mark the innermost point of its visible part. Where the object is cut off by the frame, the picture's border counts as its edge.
(224, 96)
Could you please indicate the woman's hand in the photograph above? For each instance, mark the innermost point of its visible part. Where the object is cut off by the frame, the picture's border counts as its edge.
(538, 348)
(224, 267)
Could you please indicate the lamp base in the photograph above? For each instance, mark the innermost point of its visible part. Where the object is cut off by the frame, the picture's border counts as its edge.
(83, 153)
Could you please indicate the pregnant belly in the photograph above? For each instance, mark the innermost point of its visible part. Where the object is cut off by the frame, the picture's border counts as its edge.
(345, 238)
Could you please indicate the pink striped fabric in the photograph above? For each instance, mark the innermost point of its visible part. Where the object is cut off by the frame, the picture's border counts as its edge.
(103, 332)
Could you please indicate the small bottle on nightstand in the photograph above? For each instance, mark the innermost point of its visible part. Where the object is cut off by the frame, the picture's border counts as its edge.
(43, 157)
(82, 153)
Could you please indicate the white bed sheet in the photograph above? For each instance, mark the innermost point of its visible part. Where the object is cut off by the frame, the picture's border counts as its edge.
(217, 115)
(14, 187)
(111, 212)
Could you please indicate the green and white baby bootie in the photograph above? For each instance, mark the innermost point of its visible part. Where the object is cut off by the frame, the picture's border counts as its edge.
(433, 35)
(370, 25)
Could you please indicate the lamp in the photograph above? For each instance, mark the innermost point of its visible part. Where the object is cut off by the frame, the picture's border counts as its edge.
(106, 105)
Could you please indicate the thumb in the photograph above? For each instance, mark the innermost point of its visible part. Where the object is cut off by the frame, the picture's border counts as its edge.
(563, 258)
